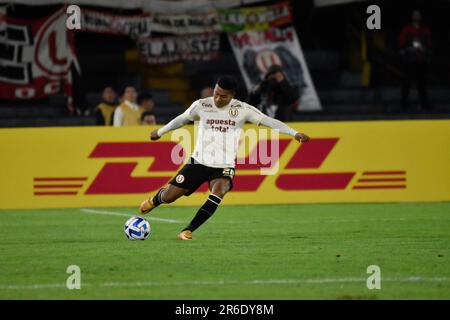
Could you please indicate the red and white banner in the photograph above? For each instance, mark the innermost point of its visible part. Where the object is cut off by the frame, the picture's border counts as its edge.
(142, 25)
(256, 51)
(200, 47)
(135, 26)
(36, 57)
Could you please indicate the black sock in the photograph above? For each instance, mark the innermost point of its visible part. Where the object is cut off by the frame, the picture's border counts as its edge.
(204, 213)
(157, 199)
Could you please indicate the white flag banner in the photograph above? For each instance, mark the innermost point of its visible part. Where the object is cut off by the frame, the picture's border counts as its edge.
(198, 47)
(256, 51)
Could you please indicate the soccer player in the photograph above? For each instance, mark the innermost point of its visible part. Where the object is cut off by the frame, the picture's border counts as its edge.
(220, 121)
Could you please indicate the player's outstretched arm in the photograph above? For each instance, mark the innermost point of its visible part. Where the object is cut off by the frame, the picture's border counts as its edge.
(189, 115)
(283, 128)
(176, 123)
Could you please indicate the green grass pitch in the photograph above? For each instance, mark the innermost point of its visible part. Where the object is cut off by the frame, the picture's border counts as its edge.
(242, 252)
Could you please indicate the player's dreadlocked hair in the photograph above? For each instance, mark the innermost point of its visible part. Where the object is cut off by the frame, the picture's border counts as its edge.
(227, 83)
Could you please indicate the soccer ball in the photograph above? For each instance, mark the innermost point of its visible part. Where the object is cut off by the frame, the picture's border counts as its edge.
(137, 228)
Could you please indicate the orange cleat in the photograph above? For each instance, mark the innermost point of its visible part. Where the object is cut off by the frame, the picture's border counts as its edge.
(146, 206)
(185, 235)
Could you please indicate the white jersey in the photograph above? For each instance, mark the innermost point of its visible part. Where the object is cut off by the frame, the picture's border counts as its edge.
(219, 130)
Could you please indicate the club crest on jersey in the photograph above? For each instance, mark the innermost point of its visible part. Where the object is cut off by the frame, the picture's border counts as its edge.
(179, 178)
(233, 112)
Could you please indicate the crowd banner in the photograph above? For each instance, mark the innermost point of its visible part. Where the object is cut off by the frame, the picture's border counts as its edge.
(192, 6)
(162, 6)
(255, 18)
(186, 24)
(135, 26)
(322, 3)
(199, 47)
(36, 56)
(124, 4)
(257, 50)
(118, 166)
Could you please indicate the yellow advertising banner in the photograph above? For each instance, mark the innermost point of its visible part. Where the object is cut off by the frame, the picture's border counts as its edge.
(370, 161)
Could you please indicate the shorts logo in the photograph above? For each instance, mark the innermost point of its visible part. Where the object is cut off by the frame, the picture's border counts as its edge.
(229, 172)
(233, 112)
(179, 178)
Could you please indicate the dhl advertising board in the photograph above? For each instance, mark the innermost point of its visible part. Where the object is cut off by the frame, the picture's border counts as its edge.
(371, 161)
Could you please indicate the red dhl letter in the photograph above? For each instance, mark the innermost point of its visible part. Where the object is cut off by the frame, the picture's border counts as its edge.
(308, 156)
(265, 147)
(115, 178)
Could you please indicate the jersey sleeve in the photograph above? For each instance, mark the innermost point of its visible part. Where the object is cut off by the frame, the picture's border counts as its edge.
(278, 125)
(192, 112)
(253, 115)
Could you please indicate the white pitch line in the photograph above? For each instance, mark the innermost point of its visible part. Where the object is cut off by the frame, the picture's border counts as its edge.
(111, 213)
(228, 282)
(269, 282)
(32, 286)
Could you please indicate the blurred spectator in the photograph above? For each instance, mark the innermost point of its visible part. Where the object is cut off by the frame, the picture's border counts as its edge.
(104, 111)
(145, 101)
(128, 113)
(206, 92)
(415, 50)
(274, 95)
(148, 118)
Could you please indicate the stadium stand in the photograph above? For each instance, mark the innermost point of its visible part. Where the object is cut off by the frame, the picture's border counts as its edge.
(114, 60)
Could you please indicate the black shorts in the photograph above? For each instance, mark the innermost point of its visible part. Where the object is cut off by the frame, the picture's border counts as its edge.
(194, 174)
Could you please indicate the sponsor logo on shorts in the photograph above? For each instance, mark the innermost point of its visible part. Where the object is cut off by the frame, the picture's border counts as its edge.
(229, 172)
(179, 178)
